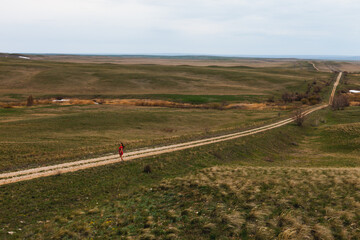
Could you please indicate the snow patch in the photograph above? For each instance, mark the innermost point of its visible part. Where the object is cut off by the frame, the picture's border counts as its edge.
(354, 91)
(24, 57)
(61, 100)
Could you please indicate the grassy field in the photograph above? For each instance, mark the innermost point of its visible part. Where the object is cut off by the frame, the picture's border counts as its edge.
(41, 135)
(172, 60)
(50, 134)
(257, 187)
(228, 203)
(351, 82)
(349, 66)
(286, 183)
(19, 79)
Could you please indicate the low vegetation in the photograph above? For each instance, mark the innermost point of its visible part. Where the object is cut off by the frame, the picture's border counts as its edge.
(299, 117)
(287, 201)
(314, 93)
(44, 135)
(286, 183)
(351, 82)
(340, 102)
(231, 203)
(210, 104)
(30, 101)
(44, 79)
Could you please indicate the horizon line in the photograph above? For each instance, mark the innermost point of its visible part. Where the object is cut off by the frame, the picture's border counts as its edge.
(279, 56)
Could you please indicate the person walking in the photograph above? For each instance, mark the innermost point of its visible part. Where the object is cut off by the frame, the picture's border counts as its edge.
(121, 151)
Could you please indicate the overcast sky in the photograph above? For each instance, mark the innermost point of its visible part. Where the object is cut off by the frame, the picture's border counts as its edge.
(222, 27)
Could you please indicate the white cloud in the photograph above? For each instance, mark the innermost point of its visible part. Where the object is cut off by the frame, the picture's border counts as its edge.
(189, 26)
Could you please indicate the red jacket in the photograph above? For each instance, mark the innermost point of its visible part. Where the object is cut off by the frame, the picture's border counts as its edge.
(121, 150)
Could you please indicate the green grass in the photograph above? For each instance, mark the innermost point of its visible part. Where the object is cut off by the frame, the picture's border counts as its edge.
(47, 198)
(248, 188)
(82, 203)
(352, 82)
(333, 143)
(45, 135)
(227, 203)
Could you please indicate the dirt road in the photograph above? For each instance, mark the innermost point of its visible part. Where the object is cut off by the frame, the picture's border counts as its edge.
(314, 66)
(331, 99)
(28, 174)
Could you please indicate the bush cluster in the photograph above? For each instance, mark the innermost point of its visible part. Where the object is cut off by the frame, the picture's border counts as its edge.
(340, 102)
(310, 96)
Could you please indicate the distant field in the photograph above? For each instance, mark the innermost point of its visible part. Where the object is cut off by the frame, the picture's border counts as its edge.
(352, 82)
(323, 65)
(172, 61)
(19, 79)
(43, 135)
(349, 66)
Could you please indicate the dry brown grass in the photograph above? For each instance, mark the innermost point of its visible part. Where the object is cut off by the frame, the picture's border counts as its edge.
(48, 78)
(152, 103)
(172, 62)
(354, 99)
(232, 203)
(355, 103)
(348, 66)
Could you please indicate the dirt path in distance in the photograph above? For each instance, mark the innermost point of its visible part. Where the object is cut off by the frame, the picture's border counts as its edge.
(313, 64)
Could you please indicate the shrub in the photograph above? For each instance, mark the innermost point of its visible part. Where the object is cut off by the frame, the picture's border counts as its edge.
(340, 102)
(287, 97)
(299, 117)
(30, 101)
(147, 169)
(300, 96)
(314, 99)
(317, 89)
(218, 106)
(271, 99)
(8, 106)
(304, 101)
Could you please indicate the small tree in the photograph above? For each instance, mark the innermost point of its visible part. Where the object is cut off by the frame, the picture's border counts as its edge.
(317, 89)
(314, 99)
(271, 99)
(30, 101)
(340, 102)
(147, 169)
(299, 117)
(287, 97)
